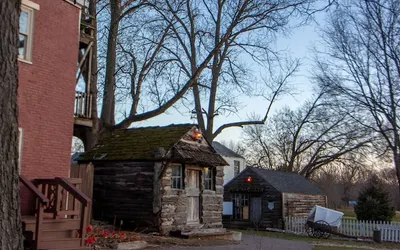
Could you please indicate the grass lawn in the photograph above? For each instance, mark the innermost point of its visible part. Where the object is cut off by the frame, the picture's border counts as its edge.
(339, 243)
(349, 214)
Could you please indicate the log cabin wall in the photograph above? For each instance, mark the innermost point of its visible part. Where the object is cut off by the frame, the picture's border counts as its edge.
(301, 204)
(173, 208)
(124, 189)
(257, 188)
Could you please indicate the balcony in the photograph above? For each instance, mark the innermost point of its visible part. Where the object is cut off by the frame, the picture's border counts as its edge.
(83, 109)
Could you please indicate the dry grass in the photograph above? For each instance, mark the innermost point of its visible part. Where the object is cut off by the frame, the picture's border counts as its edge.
(351, 215)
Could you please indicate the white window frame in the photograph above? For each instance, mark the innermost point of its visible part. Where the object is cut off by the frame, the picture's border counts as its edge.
(236, 172)
(209, 178)
(30, 8)
(20, 147)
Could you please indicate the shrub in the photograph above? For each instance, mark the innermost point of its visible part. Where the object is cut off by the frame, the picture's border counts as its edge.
(374, 204)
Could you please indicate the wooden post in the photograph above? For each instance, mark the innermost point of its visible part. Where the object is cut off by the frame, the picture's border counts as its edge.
(83, 224)
(39, 221)
(58, 201)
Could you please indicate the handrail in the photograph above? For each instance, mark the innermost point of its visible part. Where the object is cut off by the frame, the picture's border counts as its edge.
(43, 199)
(73, 190)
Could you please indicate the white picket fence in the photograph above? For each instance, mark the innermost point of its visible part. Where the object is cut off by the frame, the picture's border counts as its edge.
(390, 231)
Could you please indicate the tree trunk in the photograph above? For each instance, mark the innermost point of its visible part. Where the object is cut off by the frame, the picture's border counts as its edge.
(10, 225)
(397, 166)
(92, 136)
(108, 108)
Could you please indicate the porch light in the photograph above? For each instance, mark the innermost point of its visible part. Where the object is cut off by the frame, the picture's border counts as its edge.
(197, 135)
(249, 179)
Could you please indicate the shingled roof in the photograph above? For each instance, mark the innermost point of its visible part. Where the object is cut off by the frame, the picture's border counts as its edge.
(286, 182)
(225, 151)
(143, 143)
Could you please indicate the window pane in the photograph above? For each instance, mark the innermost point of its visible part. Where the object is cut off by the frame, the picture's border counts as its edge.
(22, 45)
(23, 22)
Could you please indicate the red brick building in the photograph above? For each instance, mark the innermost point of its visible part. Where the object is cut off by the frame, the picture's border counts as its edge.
(50, 39)
(47, 79)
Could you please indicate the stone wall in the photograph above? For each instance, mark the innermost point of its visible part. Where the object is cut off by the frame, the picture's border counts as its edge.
(211, 203)
(172, 214)
(301, 204)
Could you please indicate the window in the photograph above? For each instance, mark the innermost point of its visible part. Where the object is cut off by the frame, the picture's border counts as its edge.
(25, 33)
(20, 146)
(177, 177)
(209, 178)
(241, 206)
(236, 167)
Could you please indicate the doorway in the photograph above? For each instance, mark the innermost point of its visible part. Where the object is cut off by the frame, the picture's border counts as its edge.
(256, 211)
(193, 196)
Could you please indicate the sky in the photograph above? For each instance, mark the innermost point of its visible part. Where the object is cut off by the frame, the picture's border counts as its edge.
(298, 44)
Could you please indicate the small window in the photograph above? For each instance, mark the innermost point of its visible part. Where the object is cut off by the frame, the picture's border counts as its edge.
(241, 206)
(236, 167)
(209, 179)
(25, 33)
(177, 177)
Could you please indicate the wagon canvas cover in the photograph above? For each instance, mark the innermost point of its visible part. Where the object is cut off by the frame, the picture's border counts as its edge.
(333, 217)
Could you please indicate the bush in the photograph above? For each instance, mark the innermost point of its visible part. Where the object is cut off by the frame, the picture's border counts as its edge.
(374, 204)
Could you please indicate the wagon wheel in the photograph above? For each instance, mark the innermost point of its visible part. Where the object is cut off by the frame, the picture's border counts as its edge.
(321, 229)
(309, 230)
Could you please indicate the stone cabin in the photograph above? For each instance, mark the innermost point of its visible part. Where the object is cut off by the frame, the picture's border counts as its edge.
(261, 198)
(164, 178)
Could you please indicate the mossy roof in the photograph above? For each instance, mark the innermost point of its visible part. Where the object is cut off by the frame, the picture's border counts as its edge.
(136, 143)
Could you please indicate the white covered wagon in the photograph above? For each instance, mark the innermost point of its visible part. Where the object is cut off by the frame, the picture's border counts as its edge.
(322, 221)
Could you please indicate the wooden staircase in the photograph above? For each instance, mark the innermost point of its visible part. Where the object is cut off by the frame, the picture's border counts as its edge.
(60, 219)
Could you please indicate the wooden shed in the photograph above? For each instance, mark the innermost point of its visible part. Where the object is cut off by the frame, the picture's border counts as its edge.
(167, 178)
(260, 198)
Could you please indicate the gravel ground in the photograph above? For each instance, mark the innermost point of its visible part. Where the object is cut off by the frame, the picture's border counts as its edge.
(252, 242)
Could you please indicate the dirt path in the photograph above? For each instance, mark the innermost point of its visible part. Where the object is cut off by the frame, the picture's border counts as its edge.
(251, 242)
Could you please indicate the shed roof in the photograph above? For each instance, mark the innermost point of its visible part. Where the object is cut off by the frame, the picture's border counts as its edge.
(225, 151)
(286, 182)
(146, 142)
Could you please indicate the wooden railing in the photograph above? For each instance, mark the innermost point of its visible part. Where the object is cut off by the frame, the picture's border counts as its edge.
(42, 202)
(65, 201)
(88, 25)
(83, 105)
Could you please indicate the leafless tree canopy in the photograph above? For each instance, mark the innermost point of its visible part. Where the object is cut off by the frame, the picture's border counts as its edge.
(306, 139)
(154, 55)
(361, 66)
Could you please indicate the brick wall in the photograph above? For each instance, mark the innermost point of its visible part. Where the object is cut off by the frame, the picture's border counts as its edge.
(46, 92)
(301, 204)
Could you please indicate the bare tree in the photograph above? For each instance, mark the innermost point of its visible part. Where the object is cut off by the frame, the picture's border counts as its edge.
(152, 52)
(10, 217)
(226, 32)
(306, 139)
(361, 66)
(235, 146)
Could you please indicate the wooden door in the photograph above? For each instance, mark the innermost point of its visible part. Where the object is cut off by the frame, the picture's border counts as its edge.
(193, 196)
(255, 211)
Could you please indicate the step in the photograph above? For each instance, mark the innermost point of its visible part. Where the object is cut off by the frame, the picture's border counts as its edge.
(53, 224)
(54, 243)
(58, 233)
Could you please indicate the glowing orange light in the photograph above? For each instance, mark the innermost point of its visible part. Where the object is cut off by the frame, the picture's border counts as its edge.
(249, 179)
(197, 135)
